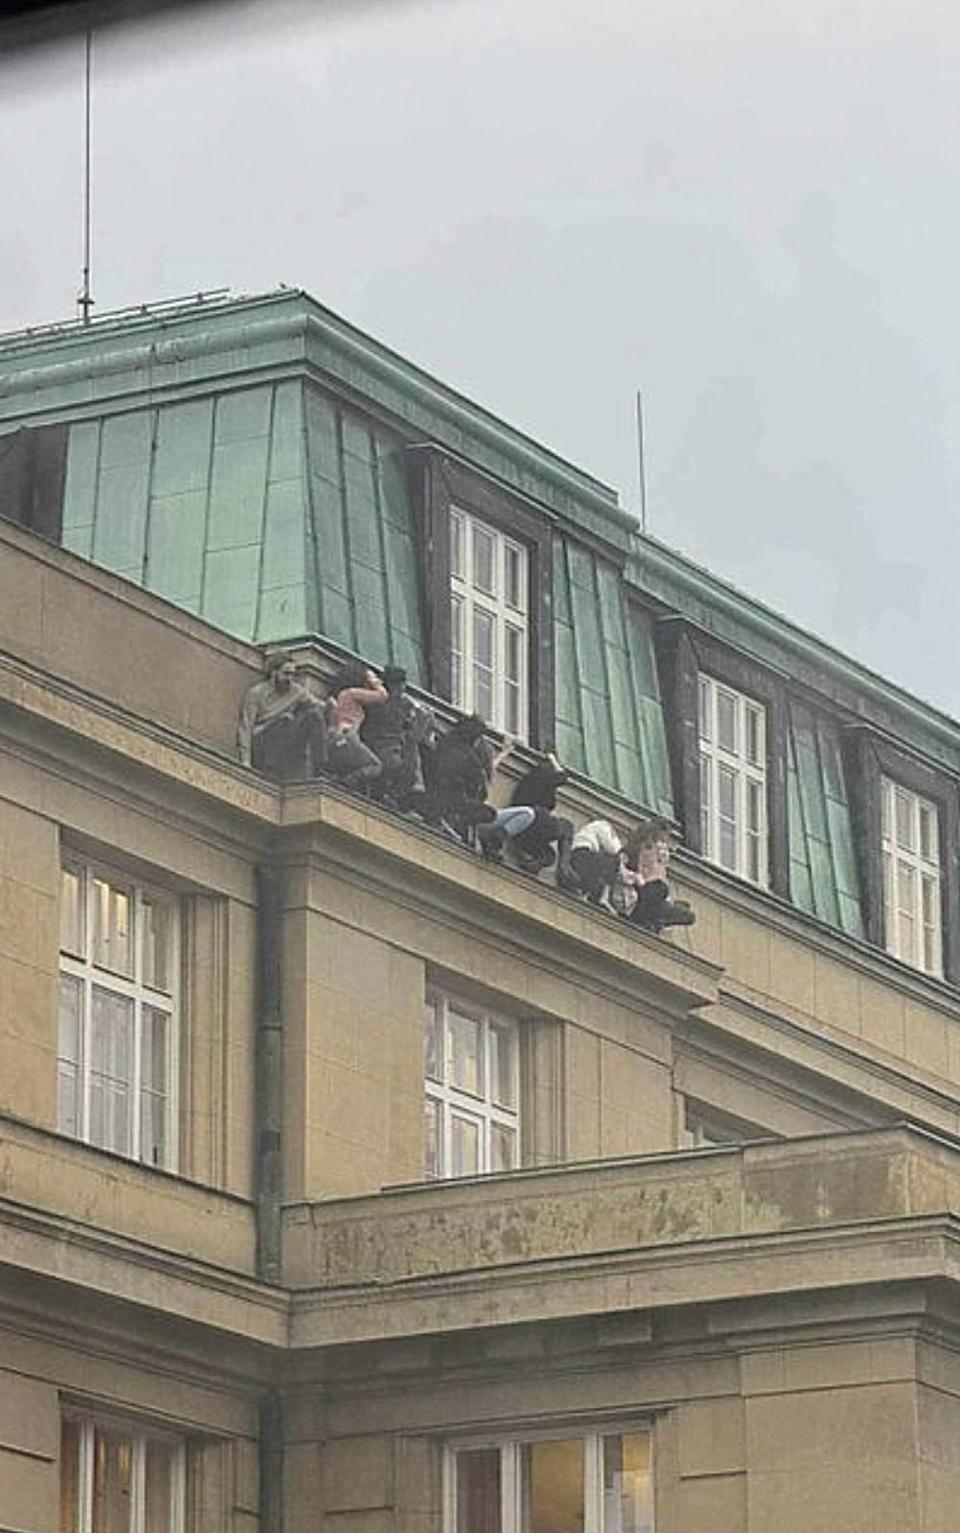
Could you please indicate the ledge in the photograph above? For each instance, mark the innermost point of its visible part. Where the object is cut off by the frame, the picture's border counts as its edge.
(370, 848)
(40, 1169)
(608, 1210)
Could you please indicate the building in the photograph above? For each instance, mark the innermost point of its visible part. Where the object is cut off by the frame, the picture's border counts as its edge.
(712, 1287)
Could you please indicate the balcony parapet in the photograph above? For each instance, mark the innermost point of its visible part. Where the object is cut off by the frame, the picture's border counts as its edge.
(615, 1209)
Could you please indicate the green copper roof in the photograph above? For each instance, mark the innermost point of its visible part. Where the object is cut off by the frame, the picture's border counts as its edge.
(823, 872)
(246, 459)
(269, 511)
(608, 710)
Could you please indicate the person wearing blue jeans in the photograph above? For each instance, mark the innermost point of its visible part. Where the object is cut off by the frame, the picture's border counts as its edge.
(505, 826)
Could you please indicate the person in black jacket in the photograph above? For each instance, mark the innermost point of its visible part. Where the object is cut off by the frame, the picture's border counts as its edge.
(457, 774)
(548, 839)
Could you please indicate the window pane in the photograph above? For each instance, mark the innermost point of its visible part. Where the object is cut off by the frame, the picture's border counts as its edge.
(503, 1148)
(69, 1477)
(930, 896)
(157, 937)
(513, 561)
(456, 544)
(456, 651)
(158, 1487)
(754, 735)
(903, 808)
(511, 709)
(112, 927)
(754, 807)
(706, 806)
(484, 563)
(68, 1056)
(627, 1484)
(464, 1146)
(483, 661)
(502, 1043)
(705, 695)
(154, 1086)
(111, 1073)
(513, 658)
(432, 1163)
(433, 1041)
(483, 638)
(466, 1061)
(928, 833)
(553, 1487)
(112, 1482)
(71, 911)
(907, 899)
(754, 831)
(69, 1038)
(727, 784)
(726, 721)
(478, 1491)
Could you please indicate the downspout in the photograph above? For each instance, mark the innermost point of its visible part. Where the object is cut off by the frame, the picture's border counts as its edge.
(269, 1072)
(269, 1169)
(271, 1464)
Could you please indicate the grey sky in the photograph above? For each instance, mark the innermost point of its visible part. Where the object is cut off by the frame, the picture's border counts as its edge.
(748, 208)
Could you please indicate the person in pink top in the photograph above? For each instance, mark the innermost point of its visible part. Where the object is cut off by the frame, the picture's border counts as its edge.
(645, 863)
(353, 690)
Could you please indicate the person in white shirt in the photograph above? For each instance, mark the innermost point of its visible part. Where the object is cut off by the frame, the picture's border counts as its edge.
(629, 877)
(595, 860)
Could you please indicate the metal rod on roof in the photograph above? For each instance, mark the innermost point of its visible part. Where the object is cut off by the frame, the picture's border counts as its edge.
(85, 302)
(641, 469)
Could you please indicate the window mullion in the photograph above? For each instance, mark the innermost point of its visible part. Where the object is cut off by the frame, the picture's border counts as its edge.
(138, 1488)
(86, 1446)
(511, 1489)
(86, 1008)
(592, 1485)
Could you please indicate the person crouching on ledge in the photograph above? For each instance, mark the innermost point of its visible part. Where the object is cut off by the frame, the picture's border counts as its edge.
(645, 868)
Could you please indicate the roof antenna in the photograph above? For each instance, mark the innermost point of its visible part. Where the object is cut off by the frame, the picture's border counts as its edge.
(641, 470)
(84, 301)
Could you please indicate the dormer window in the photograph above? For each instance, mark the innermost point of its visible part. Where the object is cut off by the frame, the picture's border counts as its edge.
(733, 780)
(489, 625)
(911, 877)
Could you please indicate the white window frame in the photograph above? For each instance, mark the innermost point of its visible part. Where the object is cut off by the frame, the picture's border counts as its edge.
(505, 607)
(511, 1471)
(912, 877)
(89, 1425)
(81, 967)
(452, 1102)
(742, 763)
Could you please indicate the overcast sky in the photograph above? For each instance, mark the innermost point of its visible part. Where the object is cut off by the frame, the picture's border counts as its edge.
(749, 209)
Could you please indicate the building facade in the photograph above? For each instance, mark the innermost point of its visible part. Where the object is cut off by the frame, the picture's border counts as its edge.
(349, 1183)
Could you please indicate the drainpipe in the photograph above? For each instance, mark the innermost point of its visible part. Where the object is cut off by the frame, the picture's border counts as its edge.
(271, 1464)
(269, 1105)
(269, 1170)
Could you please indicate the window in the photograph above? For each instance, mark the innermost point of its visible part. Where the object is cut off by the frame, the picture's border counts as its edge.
(471, 1111)
(118, 1044)
(118, 1478)
(594, 1482)
(733, 780)
(911, 877)
(488, 623)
